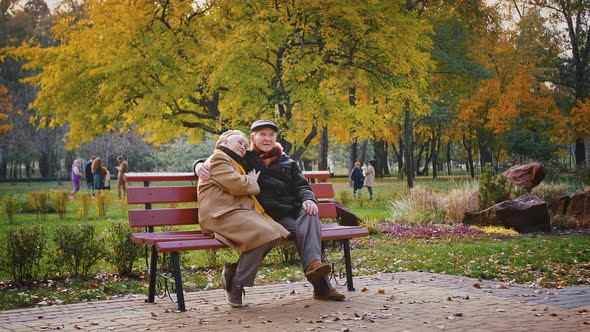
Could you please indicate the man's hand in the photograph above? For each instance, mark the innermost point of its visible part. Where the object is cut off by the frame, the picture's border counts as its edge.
(202, 172)
(310, 207)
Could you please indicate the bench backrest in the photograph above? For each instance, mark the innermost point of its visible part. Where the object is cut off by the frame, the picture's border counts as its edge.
(184, 190)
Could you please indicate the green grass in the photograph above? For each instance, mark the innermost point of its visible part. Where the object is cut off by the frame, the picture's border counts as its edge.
(549, 261)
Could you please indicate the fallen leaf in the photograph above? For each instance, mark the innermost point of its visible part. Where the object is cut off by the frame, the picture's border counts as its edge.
(381, 291)
(477, 285)
(365, 289)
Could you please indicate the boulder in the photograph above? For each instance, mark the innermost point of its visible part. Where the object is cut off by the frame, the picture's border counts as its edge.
(525, 176)
(559, 204)
(525, 214)
(579, 205)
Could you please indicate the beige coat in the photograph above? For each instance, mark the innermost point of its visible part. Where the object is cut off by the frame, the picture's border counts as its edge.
(369, 174)
(227, 209)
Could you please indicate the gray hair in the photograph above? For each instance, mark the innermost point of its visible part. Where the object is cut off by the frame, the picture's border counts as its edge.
(226, 135)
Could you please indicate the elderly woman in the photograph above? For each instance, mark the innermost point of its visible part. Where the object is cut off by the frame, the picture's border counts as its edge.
(228, 208)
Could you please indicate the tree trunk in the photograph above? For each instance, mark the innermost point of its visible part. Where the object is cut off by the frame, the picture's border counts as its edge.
(352, 155)
(399, 158)
(418, 157)
(363, 151)
(434, 153)
(380, 159)
(468, 147)
(449, 162)
(323, 163)
(3, 162)
(580, 152)
(408, 146)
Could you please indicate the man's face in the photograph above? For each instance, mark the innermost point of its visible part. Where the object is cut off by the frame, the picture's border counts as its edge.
(265, 138)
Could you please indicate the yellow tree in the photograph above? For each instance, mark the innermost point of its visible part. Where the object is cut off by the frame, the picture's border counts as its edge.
(580, 118)
(5, 107)
(122, 64)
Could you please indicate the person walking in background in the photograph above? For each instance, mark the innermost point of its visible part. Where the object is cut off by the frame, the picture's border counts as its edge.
(357, 178)
(229, 209)
(106, 182)
(369, 174)
(121, 182)
(88, 174)
(76, 177)
(97, 174)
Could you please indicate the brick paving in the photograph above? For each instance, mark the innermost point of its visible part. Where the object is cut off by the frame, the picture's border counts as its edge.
(406, 301)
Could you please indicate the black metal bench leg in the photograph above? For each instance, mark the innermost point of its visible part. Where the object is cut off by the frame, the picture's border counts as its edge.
(153, 277)
(348, 264)
(178, 281)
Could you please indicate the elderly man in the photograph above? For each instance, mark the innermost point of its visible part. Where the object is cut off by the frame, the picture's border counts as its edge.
(288, 199)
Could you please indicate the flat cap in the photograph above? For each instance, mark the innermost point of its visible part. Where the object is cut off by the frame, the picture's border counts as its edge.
(258, 124)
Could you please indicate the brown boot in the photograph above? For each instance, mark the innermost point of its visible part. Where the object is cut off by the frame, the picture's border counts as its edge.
(331, 295)
(317, 269)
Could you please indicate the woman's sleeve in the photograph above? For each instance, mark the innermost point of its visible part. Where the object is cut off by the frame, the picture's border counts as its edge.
(224, 174)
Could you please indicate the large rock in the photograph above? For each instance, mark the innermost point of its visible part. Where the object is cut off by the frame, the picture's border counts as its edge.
(559, 204)
(525, 176)
(525, 214)
(579, 205)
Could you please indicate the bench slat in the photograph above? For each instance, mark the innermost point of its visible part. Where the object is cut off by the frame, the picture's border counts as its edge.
(327, 210)
(150, 238)
(154, 177)
(322, 190)
(163, 217)
(200, 244)
(176, 194)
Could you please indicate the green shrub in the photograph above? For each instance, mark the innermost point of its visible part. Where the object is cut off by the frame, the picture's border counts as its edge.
(10, 207)
(61, 200)
(495, 189)
(123, 252)
(77, 248)
(345, 197)
(23, 250)
(39, 202)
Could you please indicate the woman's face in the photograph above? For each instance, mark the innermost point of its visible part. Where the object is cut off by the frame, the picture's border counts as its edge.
(237, 144)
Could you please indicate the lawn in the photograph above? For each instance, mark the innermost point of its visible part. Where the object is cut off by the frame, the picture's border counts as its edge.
(548, 260)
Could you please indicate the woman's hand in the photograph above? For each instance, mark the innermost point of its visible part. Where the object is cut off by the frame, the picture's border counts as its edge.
(254, 174)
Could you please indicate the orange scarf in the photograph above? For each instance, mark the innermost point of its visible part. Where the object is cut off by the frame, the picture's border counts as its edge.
(270, 156)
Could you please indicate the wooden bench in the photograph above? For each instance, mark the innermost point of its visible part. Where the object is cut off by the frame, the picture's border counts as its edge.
(181, 188)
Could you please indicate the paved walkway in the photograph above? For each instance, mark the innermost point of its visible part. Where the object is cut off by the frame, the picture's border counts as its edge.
(408, 301)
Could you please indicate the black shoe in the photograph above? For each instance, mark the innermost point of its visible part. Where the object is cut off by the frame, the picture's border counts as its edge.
(234, 295)
(229, 270)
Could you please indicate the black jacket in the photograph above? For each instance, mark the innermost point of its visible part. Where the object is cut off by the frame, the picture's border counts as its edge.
(283, 188)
